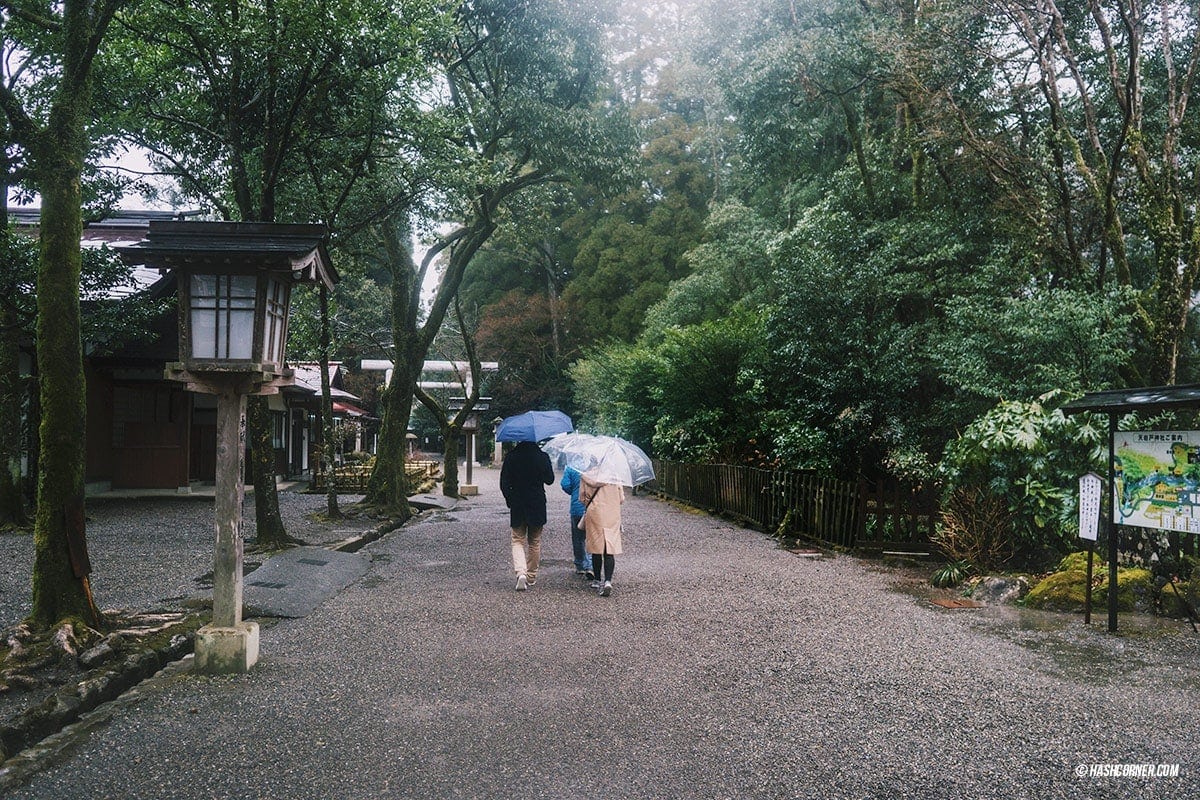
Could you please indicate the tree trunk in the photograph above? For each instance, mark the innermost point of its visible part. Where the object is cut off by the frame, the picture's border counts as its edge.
(61, 587)
(267, 519)
(327, 446)
(452, 436)
(387, 488)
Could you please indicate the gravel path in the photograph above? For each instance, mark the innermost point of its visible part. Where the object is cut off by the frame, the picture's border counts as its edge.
(721, 667)
(152, 552)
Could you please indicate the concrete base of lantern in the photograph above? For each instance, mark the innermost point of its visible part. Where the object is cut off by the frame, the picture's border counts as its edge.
(220, 651)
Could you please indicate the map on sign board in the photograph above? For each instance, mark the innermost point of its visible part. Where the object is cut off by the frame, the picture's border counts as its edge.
(1158, 480)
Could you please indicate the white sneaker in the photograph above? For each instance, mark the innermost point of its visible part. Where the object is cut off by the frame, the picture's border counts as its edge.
(522, 582)
(606, 589)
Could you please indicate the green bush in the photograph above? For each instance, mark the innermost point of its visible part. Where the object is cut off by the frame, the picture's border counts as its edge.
(1029, 456)
(1135, 590)
(951, 575)
(1064, 590)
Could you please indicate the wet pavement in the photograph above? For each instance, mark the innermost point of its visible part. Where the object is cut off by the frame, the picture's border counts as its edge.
(722, 666)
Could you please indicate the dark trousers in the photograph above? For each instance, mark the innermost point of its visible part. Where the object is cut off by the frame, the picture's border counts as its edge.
(578, 537)
(607, 562)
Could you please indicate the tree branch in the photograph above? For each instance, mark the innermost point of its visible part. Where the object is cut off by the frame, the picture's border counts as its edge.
(51, 24)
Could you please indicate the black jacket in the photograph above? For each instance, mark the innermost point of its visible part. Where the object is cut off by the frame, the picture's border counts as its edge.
(523, 478)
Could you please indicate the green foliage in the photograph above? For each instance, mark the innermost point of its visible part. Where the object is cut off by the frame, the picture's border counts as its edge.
(711, 397)
(730, 270)
(695, 395)
(856, 324)
(616, 388)
(636, 246)
(1029, 455)
(275, 108)
(951, 574)
(113, 311)
(1021, 346)
(358, 315)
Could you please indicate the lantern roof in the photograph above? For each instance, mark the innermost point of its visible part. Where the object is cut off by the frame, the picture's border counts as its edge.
(236, 247)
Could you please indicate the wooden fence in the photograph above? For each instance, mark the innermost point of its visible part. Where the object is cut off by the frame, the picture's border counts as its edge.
(896, 517)
(805, 504)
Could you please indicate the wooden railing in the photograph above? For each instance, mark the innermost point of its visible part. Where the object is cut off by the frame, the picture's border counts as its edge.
(802, 503)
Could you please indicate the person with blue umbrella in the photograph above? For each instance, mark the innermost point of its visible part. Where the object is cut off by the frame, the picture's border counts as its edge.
(523, 479)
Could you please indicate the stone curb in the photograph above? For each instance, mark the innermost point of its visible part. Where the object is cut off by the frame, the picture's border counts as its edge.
(18, 768)
(98, 686)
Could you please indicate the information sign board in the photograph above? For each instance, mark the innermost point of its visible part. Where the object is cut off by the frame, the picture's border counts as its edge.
(1158, 480)
(1089, 506)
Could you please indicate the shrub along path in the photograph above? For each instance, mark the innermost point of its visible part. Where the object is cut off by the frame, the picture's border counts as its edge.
(721, 666)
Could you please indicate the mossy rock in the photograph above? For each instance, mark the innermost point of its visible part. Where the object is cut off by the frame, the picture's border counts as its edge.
(1135, 590)
(1060, 591)
(1077, 562)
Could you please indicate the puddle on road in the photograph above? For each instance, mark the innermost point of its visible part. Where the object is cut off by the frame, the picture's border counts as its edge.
(1142, 641)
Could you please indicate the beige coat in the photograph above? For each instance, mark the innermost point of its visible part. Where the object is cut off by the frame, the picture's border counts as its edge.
(602, 520)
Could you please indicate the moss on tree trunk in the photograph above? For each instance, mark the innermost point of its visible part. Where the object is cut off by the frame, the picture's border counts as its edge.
(267, 519)
(387, 488)
(60, 573)
(450, 461)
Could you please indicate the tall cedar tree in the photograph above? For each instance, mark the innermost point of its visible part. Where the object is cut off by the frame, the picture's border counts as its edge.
(66, 41)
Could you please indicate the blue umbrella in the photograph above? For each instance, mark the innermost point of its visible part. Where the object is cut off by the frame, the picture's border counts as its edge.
(533, 426)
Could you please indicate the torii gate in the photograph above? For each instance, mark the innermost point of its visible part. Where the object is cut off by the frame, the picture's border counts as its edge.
(461, 369)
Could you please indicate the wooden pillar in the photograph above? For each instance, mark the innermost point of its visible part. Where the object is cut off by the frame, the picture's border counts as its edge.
(1113, 530)
(470, 448)
(228, 644)
(230, 490)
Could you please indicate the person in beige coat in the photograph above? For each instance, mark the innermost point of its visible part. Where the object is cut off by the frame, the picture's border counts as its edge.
(602, 527)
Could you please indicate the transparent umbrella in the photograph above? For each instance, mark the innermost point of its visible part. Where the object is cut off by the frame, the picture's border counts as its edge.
(609, 459)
